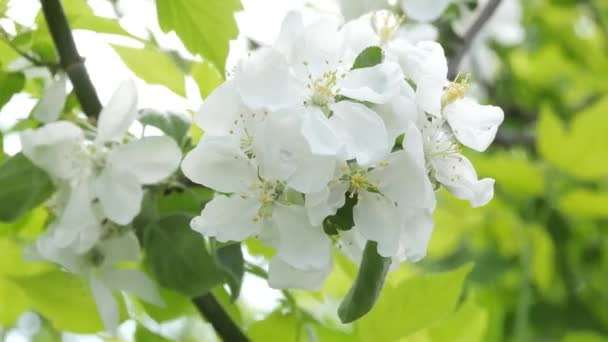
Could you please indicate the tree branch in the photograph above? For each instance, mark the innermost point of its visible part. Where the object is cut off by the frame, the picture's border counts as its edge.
(69, 59)
(469, 36)
(213, 311)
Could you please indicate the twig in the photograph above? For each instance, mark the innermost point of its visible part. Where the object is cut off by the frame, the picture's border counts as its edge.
(35, 61)
(69, 58)
(469, 36)
(213, 311)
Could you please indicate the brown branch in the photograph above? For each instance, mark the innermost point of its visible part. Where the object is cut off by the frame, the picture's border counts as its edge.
(69, 59)
(469, 36)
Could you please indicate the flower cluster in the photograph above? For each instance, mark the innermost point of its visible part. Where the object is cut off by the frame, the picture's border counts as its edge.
(99, 177)
(306, 129)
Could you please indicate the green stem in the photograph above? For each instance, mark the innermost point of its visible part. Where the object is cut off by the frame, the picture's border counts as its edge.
(69, 59)
(213, 311)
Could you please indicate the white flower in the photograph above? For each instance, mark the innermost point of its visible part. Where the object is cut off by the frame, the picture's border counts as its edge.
(263, 204)
(424, 64)
(473, 125)
(309, 75)
(100, 266)
(52, 101)
(105, 170)
(274, 138)
(388, 195)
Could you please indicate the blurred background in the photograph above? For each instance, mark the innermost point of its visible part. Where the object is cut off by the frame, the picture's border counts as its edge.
(538, 251)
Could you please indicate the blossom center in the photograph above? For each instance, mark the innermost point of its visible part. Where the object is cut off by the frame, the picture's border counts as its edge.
(323, 88)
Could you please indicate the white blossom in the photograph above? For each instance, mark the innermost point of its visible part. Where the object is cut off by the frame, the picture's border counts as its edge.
(100, 267)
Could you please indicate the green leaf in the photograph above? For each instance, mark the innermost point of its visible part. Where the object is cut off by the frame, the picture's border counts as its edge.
(281, 326)
(13, 301)
(178, 258)
(176, 306)
(585, 204)
(584, 336)
(7, 54)
(154, 67)
(172, 124)
(514, 172)
(230, 259)
(413, 304)
(10, 84)
(468, 324)
(367, 286)
(206, 76)
(575, 150)
(64, 299)
(369, 57)
(24, 187)
(144, 334)
(205, 27)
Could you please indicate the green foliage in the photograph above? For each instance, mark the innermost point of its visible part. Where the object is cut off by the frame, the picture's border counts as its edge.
(64, 299)
(172, 124)
(12, 83)
(144, 334)
(24, 187)
(154, 67)
(230, 259)
(187, 266)
(205, 27)
(574, 150)
(367, 286)
(413, 304)
(369, 57)
(206, 76)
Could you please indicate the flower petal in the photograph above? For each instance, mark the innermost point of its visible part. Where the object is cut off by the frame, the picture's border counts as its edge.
(292, 26)
(404, 181)
(317, 49)
(281, 275)
(118, 115)
(219, 163)
(301, 244)
(53, 100)
(326, 202)
(78, 227)
(416, 234)
(429, 92)
(119, 193)
(321, 137)
(312, 173)
(55, 148)
(474, 125)
(423, 59)
(228, 218)
(397, 115)
(220, 109)
(265, 81)
(106, 304)
(424, 10)
(352, 9)
(120, 248)
(458, 175)
(376, 84)
(133, 282)
(377, 218)
(362, 131)
(151, 159)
